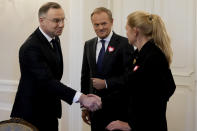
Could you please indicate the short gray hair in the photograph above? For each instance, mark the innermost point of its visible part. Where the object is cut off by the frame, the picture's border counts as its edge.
(103, 9)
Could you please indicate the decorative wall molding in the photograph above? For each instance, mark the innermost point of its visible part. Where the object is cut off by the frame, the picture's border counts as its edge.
(7, 94)
(185, 81)
(75, 59)
(183, 73)
(180, 110)
(9, 82)
(8, 85)
(6, 107)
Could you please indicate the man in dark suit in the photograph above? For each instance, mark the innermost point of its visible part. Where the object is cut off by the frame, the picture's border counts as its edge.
(40, 90)
(104, 62)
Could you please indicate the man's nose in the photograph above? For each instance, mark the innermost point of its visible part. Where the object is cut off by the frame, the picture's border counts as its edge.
(61, 24)
(100, 27)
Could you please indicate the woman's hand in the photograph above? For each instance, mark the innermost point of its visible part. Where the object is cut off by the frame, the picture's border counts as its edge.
(118, 125)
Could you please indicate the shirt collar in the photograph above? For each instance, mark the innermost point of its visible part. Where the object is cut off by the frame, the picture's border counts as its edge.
(46, 36)
(107, 38)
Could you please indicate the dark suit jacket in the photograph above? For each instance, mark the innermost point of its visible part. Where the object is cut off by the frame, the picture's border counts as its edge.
(114, 64)
(40, 90)
(150, 84)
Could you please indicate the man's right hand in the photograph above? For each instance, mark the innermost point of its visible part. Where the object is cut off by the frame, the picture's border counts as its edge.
(91, 102)
(86, 116)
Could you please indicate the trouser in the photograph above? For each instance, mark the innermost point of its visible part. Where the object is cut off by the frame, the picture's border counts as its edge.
(97, 121)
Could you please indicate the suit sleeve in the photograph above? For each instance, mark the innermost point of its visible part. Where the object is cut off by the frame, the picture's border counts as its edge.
(85, 72)
(118, 81)
(34, 64)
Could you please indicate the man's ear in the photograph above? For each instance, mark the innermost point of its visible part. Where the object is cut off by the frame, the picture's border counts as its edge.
(41, 19)
(112, 21)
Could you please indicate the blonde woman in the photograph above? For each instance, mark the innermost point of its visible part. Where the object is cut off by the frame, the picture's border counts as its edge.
(149, 81)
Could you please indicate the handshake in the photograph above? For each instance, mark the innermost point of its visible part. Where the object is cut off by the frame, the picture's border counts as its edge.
(91, 102)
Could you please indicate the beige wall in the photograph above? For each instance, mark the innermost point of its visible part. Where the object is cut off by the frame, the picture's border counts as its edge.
(19, 19)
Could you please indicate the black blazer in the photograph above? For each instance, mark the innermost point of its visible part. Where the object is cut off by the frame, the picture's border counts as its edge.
(114, 65)
(150, 84)
(40, 90)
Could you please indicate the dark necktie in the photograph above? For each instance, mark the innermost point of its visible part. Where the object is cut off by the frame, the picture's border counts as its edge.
(100, 57)
(55, 48)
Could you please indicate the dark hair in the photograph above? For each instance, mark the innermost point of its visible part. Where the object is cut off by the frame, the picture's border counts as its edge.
(44, 8)
(102, 9)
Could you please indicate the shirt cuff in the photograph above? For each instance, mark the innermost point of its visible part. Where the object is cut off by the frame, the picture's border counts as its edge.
(76, 97)
(105, 84)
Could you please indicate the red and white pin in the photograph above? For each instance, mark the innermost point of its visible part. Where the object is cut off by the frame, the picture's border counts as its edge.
(110, 49)
(135, 68)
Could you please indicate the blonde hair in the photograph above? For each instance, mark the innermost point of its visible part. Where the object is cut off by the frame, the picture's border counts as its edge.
(151, 25)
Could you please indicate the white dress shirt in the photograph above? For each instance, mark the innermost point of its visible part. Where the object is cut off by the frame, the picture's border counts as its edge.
(99, 44)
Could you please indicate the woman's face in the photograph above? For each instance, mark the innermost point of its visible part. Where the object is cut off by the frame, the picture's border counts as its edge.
(131, 34)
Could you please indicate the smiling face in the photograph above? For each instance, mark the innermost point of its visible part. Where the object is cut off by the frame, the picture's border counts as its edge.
(102, 24)
(53, 22)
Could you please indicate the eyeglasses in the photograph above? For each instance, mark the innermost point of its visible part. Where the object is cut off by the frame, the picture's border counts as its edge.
(56, 20)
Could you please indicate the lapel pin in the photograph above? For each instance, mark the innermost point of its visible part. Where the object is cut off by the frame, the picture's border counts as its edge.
(135, 68)
(110, 49)
(134, 61)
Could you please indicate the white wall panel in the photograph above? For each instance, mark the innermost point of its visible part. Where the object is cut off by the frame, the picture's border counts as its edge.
(75, 58)
(7, 95)
(179, 17)
(180, 110)
(122, 8)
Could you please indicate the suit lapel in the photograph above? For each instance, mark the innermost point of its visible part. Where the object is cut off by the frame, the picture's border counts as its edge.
(93, 51)
(112, 46)
(60, 54)
(50, 55)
